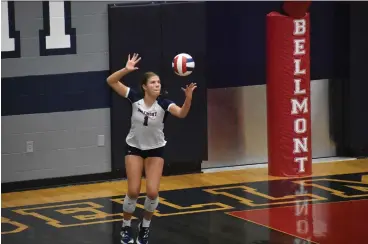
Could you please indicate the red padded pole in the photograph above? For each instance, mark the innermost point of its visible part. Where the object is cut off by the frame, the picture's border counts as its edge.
(288, 95)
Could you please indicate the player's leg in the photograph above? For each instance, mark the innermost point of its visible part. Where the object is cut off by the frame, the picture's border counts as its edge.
(153, 165)
(153, 169)
(134, 168)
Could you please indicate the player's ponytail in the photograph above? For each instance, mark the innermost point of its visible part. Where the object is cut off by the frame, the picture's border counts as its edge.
(164, 92)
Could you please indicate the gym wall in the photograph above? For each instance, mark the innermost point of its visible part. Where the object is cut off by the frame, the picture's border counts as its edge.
(60, 100)
(237, 89)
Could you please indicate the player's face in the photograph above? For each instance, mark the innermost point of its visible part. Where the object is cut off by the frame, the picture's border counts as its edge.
(153, 86)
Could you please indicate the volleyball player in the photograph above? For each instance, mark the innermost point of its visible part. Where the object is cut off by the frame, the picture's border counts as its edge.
(145, 143)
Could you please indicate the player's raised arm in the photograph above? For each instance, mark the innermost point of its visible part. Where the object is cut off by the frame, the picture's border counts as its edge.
(182, 112)
(115, 79)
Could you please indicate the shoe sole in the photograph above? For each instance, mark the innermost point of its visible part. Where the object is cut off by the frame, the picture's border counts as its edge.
(130, 242)
(138, 242)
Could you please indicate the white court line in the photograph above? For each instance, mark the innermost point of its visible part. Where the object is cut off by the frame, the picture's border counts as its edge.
(264, 165)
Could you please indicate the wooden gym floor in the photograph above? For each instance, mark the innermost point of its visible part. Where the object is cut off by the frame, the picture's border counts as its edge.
(236, 207)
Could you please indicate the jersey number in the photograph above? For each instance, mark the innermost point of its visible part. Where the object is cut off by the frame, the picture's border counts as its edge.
(145, 122)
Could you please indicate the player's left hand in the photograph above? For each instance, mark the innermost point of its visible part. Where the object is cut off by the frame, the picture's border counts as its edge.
(189, 90)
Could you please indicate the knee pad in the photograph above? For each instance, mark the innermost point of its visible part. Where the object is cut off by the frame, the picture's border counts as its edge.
(129, 204)
(150, 205)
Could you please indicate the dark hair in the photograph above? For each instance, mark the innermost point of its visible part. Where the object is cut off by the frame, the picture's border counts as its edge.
(145, 79)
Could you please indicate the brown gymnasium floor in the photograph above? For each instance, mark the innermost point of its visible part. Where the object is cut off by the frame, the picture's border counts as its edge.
(232, 207)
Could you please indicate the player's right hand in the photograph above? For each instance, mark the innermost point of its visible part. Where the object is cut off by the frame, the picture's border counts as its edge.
(130, 65)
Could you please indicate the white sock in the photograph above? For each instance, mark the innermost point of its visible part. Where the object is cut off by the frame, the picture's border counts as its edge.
(126, 222)
(146, 223)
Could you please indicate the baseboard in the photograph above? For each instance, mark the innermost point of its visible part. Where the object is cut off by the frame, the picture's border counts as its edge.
(180, 168)
(58, 182)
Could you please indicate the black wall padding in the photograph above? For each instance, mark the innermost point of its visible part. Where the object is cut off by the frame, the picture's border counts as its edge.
(349, 85)
(183, 30)
(339, 82)
(158, 32)
(358, 86)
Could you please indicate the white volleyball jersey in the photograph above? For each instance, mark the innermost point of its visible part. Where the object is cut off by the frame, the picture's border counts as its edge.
(147, 124)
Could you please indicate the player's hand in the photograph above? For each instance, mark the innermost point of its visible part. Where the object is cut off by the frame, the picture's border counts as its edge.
(189, 90)
(130, 65)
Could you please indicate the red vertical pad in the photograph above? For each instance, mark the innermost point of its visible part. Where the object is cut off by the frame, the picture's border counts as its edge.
(288, 95)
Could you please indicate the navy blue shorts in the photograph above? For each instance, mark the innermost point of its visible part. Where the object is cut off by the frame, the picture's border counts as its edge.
(157, 152)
